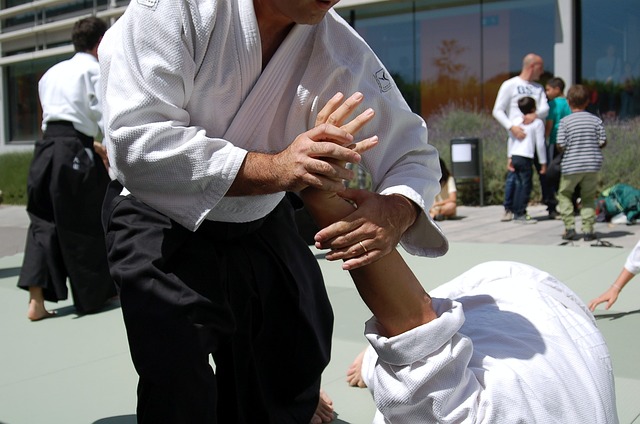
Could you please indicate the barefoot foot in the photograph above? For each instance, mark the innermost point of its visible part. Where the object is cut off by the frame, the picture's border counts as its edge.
(324, 411)
(354, 373)
(37, 311)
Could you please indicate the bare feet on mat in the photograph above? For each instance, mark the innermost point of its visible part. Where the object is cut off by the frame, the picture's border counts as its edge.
(354, 373)
(37, 311)
(324, 412)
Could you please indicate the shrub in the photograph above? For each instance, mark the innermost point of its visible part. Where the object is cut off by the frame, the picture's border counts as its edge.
(14, 168)
(621, 156)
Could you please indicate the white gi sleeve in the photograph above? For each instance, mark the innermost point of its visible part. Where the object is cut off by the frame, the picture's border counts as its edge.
(423, 375)
(149, 61)
(632, 263)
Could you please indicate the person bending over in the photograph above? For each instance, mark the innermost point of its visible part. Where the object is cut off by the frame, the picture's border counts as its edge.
(503, 342)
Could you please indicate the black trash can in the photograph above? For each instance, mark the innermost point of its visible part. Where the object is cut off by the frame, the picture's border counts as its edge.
(466, 162)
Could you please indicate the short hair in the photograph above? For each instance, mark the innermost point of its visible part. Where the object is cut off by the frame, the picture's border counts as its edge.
(87, 33)
(556, 82)
(526, 105)
(578, 95)
(445, 172)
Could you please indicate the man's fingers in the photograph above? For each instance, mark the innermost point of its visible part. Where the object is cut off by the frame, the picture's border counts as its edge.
(328, 132)
(327, 168)
(329, 108)
(361, 261)
(364, 145)
(335, 152)
(337, 111)
(359, 121)
(338, 116)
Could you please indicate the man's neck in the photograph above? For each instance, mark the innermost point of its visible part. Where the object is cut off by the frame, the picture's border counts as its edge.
(273, 31)
(525, 76)
(270, 42)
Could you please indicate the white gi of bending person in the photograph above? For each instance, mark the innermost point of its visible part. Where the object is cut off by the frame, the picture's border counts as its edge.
(502, 343)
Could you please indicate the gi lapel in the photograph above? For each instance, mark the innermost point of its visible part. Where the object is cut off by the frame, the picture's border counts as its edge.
(271, 90)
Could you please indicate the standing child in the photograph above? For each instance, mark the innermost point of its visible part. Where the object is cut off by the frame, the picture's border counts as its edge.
(558, 109)
(581, 136)
(522, 152)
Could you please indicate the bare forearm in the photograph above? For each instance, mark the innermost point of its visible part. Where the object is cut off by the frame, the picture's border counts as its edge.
(622, 280)
(311, 160)
(388, 286)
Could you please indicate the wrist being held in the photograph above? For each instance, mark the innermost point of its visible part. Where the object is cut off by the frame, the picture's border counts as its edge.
(408, 208)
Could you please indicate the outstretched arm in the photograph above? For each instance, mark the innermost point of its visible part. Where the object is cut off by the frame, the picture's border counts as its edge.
(388, 286)
(629, 270)
(611, 295)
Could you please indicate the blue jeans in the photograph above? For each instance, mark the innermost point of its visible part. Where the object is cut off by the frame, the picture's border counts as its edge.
(523, 184)
(509, 189)
(547, 186)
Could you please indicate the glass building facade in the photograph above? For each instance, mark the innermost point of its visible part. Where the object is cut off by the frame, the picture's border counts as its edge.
(458, 52)
(440, 52)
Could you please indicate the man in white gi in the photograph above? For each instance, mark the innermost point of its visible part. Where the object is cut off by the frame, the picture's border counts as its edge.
(66, 185)
(211, 111)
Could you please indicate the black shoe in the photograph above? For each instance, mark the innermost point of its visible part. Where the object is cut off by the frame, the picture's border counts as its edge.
(554, 215)
(569, 234)
(589, 236)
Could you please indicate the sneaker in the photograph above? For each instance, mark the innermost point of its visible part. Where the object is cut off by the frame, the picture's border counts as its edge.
(508, 216)
(554, 215)
(524, 219)
(589, 236)
(569, 234)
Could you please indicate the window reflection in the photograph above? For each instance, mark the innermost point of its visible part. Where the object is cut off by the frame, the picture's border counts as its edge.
(440, 52)
(456, 52)
(611, 56)
(23, 100)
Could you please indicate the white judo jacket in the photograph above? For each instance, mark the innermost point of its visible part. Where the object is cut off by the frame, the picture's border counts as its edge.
(511, 344)
(186, 98)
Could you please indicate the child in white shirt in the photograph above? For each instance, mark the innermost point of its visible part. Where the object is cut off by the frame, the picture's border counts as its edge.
(522, 153)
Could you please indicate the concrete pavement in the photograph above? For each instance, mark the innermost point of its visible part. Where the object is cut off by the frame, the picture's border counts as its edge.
(77, 370)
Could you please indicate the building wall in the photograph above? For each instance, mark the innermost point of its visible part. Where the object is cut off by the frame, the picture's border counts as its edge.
(452, 52)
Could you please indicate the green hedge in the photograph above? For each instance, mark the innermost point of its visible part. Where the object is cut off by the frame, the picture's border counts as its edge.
(14, 168)
(621, 156)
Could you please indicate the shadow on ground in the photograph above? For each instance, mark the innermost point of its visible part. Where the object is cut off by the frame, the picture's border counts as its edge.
(131, 419)
(616, 315)
(10, 272)
(617, 234)
(120, 419)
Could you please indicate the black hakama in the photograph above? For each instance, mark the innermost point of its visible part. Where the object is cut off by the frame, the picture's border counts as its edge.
(250, 294)
(66, 186)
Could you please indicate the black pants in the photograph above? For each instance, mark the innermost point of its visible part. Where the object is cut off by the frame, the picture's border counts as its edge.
(249, 294)
(66, 187)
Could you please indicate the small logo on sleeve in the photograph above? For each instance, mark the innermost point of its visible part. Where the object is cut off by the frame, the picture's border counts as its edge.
(383, 80)
(151, 4)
